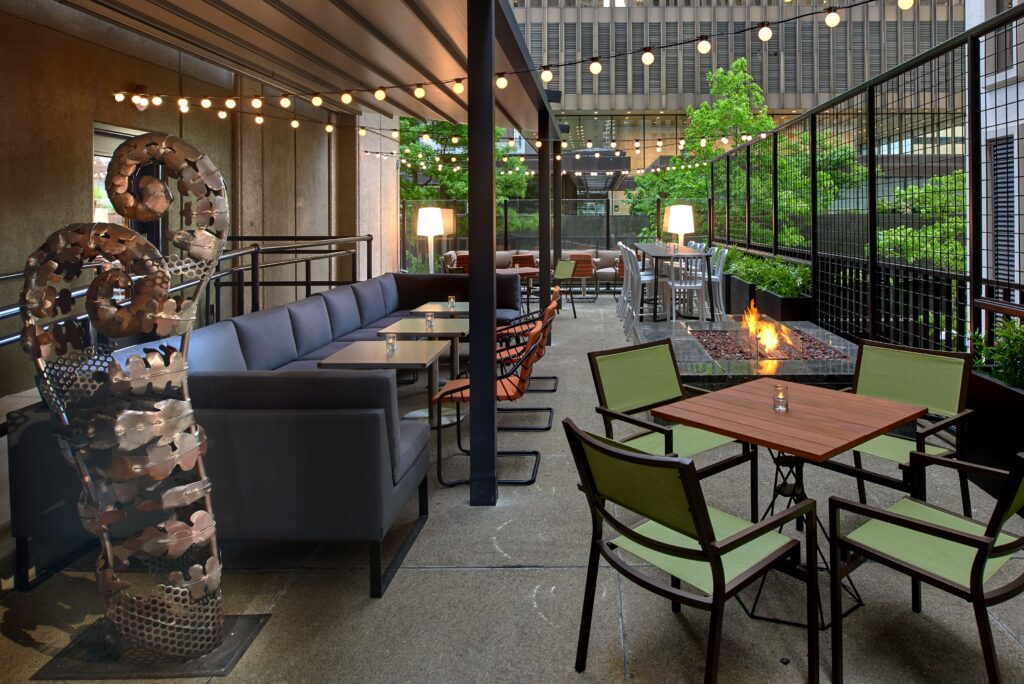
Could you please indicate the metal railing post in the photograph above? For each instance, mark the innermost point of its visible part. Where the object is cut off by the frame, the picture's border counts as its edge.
(254, 278)
(504, 218)
(874, 291)
(728, 198)
(775, 193)
(711, 204)
(812, 171)
(309, 278)
(975, 196)
(369, 259)
(608, 223)
(657, 218)
(746, 203)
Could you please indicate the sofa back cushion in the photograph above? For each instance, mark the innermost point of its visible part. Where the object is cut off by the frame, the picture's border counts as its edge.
(342, 310)
(389, 290)
(606, 258)
(507, 291)
(417, 288)
(215, 348)
(370, 301)
(503, 259)
(311, 325)
(266, 338)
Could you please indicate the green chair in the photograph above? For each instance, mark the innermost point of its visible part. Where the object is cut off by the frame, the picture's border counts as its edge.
(937, 380)
(953, 553)
(631, 380)
(715, 553)
(563, 275)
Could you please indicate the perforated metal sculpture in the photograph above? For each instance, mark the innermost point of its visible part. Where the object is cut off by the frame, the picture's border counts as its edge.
(129, 430)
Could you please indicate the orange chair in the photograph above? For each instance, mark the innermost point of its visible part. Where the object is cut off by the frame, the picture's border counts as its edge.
(510, 386)
(524, 261)
(521, 326)
(584, 272)
(461, 263)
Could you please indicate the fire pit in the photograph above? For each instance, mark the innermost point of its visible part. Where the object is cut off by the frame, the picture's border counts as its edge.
(732, 349)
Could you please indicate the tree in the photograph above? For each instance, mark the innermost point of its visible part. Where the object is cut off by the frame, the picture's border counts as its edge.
(940, 206)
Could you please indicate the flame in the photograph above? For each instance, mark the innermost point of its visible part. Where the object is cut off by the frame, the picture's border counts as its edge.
(767, 366)
(767, 333)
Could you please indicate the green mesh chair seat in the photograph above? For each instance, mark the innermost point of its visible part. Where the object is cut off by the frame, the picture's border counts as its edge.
(686, 441)
(698, 573)
(896, 449)
(681, 536)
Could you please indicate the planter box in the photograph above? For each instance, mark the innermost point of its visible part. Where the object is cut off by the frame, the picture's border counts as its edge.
(991, 437)
(784, 308)
(738, 294)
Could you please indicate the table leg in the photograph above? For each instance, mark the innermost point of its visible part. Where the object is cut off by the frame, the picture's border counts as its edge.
(454, 361)
(656, 290)
(711, 293)
(431, 391)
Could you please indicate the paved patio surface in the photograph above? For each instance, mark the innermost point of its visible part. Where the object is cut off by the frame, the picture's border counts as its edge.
(494, 594)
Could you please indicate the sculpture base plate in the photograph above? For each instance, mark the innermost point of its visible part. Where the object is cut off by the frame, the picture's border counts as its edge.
(88, 658)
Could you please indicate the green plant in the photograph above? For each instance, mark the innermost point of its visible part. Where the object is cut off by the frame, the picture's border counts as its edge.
(773, 275)
(1005, 357)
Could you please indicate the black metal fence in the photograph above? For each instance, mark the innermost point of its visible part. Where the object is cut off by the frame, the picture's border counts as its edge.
(904, 194)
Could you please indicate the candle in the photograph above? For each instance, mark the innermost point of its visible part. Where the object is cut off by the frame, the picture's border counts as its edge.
(430, 319)
(780, 400)
(451, 301)
(390, 342)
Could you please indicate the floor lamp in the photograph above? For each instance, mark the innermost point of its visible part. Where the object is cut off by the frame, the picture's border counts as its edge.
(429, 224)
(679, 220)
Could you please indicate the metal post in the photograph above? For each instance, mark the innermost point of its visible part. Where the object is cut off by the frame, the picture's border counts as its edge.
(657, 218)
(872, 162)
(544, 206)
(728, 198)
(254, 279)
(369, 259)
(775, 193)
(556, 199)
(975, 196)
(812, 172)
(504, 218)
(309, 278)
(401, 236)
(746, 203)
(711, 205)
(483, 466)
(608, 223)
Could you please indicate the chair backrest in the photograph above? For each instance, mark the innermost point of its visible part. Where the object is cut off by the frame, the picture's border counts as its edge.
(564, 269)
(922, 377)
(664, 489)
(584, 265)
(526, 260)
(718, 265)
(636, 378)
(521, 378)
(462, 263)
(688, 265)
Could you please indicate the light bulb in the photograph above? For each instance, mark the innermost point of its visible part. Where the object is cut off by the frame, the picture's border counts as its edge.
(511, 142)
(118, 97)
(457, 169)
(832, 17)
(157, 100)
(455, 140)
(565, 144)
(206, 103)
(222, 114)
(590, 143)
(647, 56)
(765, 32)
(394, 134)
(546, 75)
(703, 45)
(362, 132)
(258, 119)
(595, 65)
(295, 123)
(256, 103)
(658, 150)
(703, 142)
(682, 143)
(725, 140)
(183, 109)
(379, 94)
(285, 102)
(328, 128)
(183, 102)
(538, 144)
(558, 157)
(457, 87)
(659, 142)
(636, 143)
(425, 137)
(597, 155)
(316, 100)
(501, 82)
(230, 103)
(613, 144)
(142, 103)
(136, 99)
(618, 153)
(577, 155)
(419, 92)
(904, 4)
(346, 97)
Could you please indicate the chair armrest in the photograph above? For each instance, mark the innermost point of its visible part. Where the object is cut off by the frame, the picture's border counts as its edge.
(837, 504)
(772, 524)
(944, 424)
(693, 389)
(919, 458)
(531, 317)
(665, 431)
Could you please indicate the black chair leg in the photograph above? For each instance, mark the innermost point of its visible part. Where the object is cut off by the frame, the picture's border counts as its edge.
(544, 427)
(753, 481)
(675, 604)
(988, 646)
(587, 614)
(965, 494)
(836, 590)
(915, 595)
(714, 641)
(458, 442)
(861, 492)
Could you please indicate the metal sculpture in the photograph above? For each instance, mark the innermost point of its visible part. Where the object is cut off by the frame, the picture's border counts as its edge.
(129, 431)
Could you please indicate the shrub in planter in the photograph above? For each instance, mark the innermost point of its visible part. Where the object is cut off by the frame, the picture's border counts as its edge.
(780, 285)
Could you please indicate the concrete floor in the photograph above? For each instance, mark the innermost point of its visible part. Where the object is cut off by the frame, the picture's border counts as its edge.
(494, 594)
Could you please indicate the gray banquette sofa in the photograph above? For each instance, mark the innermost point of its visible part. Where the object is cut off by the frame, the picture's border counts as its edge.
(294, 452)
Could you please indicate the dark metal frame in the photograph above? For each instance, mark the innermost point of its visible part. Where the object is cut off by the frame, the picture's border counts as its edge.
(380, 578)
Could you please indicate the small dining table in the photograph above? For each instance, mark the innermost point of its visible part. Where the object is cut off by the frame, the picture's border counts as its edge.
(662, 251)
(451, 329)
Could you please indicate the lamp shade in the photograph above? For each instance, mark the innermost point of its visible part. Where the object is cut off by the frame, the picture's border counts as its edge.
(679, 220)
(429, 222)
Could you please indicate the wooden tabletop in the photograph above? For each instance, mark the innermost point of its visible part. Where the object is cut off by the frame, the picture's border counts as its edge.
(521, 271)
(416, 326)
(368, 354)
(442, 308)
(821, 423)
(666, 249)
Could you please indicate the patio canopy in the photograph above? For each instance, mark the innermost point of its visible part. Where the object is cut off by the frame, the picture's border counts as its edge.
(313, 46)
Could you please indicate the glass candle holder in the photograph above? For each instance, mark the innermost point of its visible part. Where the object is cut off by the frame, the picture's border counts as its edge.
(451, 301)
(390, 343)
(429, 317)
(780, 399)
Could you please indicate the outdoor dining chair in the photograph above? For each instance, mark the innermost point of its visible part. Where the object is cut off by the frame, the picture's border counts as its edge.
(564, 271)
(718, 257)
(584, 272)
(686, 274)
(713, 553)
(937, 380)
(636, 379)
(953, 553)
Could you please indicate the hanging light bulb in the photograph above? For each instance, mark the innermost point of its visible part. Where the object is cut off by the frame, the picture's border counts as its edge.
(457, 87)
(206, 103)
(136, 98)
(636, 143)
(595, 65)
(565, 144)
(511, 142)
(379, 94)
(590, 143)
(346, 97)
(457, 169)
(425, 137)
(703, 45)
(682, 143)
(658, 142)
(118, 97)
(394, 134)
(285, 102)
(504, 159)
(157, 100)
(597, 155)
(703, 142)
(832, 17)
(577, 155)
(256, 103)
(538, 144)
(362, 131)
(230, 103)
(316, 100)
(613, 144)
(558, 157)
(221, 114)
(647, 56)
(328, 128)
(501, 82)
(546, 74)
(904, 4)
(725, 140)
(183, 108)
(765, 32)
(419, 92)
(295, 123)
(618, 153)
(183, 102)
(258, 119)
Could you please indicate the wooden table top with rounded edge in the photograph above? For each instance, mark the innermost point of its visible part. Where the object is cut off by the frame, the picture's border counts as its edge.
(416, 354)
(820, 423)
(416, 326)
(521, 271)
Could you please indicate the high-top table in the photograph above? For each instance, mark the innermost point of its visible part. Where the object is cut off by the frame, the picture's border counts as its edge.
(661, 251)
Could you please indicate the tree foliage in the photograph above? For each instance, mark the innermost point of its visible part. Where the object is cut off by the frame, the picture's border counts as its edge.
(941, 203)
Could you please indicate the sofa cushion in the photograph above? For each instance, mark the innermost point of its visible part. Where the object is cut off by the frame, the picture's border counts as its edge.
(311, 325)
(361, 334)
(503, 259)
(216, 348)
(384, 322)
(389, 290)
(606, 258)
(506, 315)
(300, 365)
(342, 310)
(266, 338)
(507, 291)
(325, 351)
(417, 288)
(412, 440)
(370, 301)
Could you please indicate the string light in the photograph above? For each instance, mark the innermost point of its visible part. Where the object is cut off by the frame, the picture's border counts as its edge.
(501, 82)
(765, 32)
(118, 97)
(316, 100)
(904, 4)
(295, 123)
(832, 17)
(590, 143)
(546, 74)
(183, 108)
(613, 144)
(258, 119)
(230, 103)
(379, 94)
(328, 128)
(256, 103)
(221, 114)
(362, 131)
(455, 140)
(595, 65)
(419, 92)
(457, 87)
(136, 98)
(346, 98)
(565, 144)
(183, 102)
(286, 102)
(394, 134)
(647, 56)
(206, 103)
(157, 100)
(703, 45)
